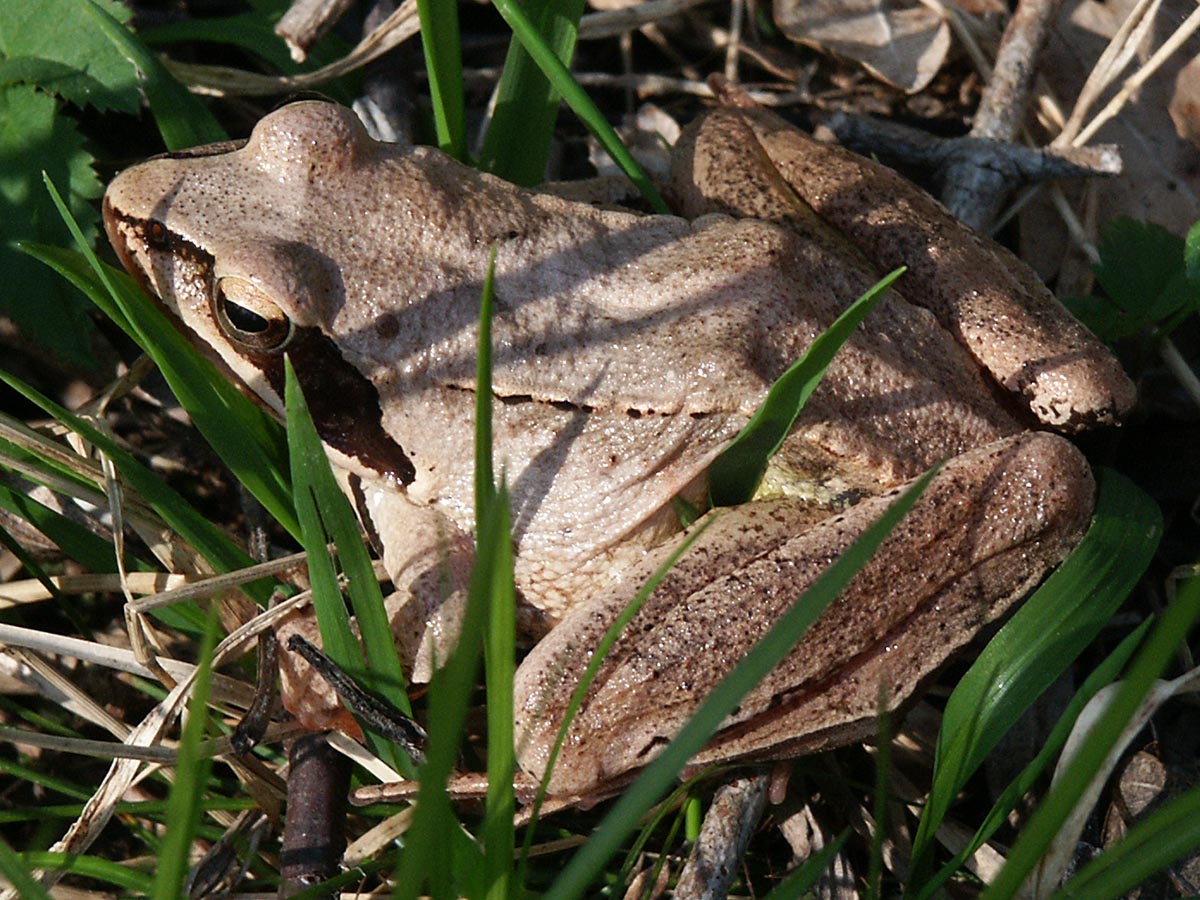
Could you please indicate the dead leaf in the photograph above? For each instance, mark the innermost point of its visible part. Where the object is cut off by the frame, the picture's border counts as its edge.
(1185, 102)
(1161, 182)
(901, 43)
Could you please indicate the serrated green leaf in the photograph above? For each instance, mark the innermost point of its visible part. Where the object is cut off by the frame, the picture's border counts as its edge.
(64, 31)
(36, 138)
(183, 121)
(48, 75)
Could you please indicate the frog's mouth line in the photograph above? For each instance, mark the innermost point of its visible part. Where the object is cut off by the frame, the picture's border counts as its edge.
(342, 401)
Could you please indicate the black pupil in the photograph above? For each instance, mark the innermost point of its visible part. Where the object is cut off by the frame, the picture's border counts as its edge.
(244, 320)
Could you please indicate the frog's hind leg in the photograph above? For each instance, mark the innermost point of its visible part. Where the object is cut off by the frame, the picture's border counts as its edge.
(988, 528)
(993, 303)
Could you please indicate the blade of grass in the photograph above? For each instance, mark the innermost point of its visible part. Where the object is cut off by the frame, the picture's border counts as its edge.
(443, 64)
(1165, 836)
(1032, 774)
(433, 826)
(75, 541)
(192, 768)
(599, 652)
(114, 873)
(763, 657)
(17, 874)
(241, 433)
(734, 476)
(517, 144)
(485, 476)
(208, 539)
(576, 97)
(1153, 658)
(499, 837)
(183, 121)
(490, 608)
(324, 515)
(1037, 644)
(499, 651)
(804, 878)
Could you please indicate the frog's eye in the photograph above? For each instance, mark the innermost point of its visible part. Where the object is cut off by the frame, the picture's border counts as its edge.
(250, 318)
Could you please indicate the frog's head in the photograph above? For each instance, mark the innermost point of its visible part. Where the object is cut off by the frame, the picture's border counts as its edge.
(223, 237)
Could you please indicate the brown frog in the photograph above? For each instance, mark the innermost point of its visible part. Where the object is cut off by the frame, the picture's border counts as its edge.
(629, 350)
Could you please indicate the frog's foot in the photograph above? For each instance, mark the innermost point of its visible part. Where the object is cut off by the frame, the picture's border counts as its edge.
(987, 529)
(749, 162)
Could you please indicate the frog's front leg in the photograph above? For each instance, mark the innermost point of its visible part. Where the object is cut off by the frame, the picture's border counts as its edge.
(428, 559)
(989, 526)
(746, 161)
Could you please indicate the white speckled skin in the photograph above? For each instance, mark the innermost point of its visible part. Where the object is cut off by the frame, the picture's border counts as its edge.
(629, 350)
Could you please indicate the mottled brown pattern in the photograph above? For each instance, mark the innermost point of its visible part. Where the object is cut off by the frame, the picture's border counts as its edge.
(629, 350)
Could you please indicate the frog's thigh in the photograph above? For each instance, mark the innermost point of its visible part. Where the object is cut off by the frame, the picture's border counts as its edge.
(988, 528)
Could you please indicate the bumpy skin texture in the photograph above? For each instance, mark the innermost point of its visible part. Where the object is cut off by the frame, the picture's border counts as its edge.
(963, 555)
(629, 351)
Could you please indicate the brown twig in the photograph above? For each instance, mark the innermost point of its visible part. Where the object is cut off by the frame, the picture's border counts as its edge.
(314, 831)
(975, 193)
(902, 146)
(724, 836)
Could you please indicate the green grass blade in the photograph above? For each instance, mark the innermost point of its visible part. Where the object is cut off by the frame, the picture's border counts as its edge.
(182, 119)
(1039, 642)
(1165, 836)
(194, 528)
(433, 826)
(495, 556)
(576, 97)
(658, 775)
(1032, 774)
(76, 542)
(799, 882)
(1152, 659)
(517, 144)
(499, 837)
(490, 608)
(137, 883)
(16, 872)
(184, 807)
(324, 515)
(245, 438)
(603, 646)
(734, 476)
(485, 476)
(443, 64)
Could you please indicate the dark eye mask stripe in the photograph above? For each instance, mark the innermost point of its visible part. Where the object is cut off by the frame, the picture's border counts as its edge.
(343, 402)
